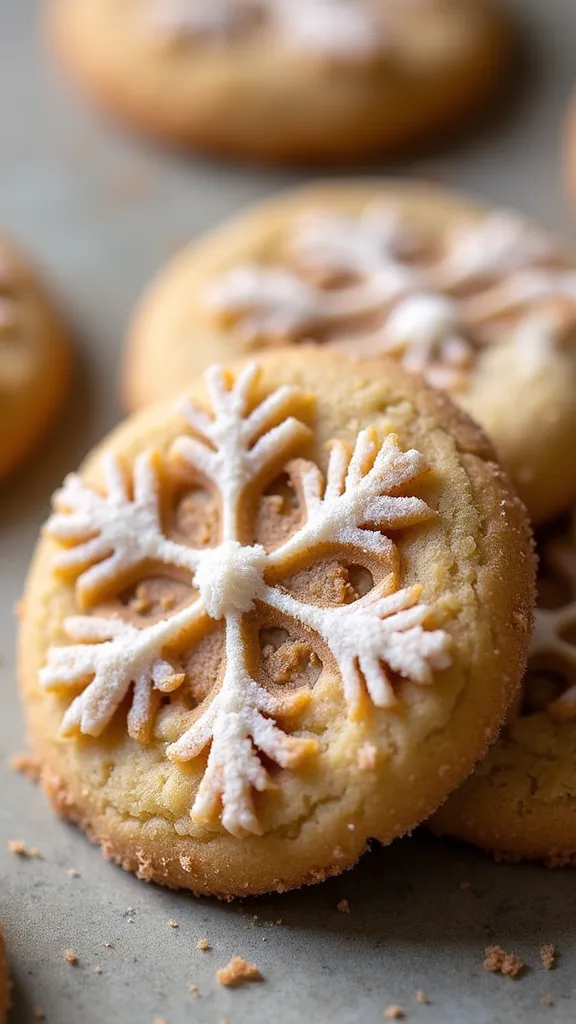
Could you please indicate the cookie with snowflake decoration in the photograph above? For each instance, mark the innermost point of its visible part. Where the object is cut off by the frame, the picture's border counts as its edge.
(478, 300)
(272, 620)
(521, 801)
(284, 81)
(34, 358)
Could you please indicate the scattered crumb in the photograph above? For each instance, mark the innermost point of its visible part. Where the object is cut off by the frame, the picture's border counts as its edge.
(237, 972)
(421, 997)
(194, 990)
(160, 1020)
(39, 1014)
(465, 885)
(72, 873)
(203, 944)
(498, 961)
(548, 956)
(131, 920)
(547, 1001)
(280, 921)
(366, 757)
(343, 906)
(108, 945)
(394, 1013)
(70, 957)
(173, 924)
(27, 765)
(19, 848)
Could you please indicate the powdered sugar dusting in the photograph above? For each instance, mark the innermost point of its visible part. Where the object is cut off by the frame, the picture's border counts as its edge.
(235, 445)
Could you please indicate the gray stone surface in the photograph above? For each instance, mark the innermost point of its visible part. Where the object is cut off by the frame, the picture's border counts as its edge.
(102, 213)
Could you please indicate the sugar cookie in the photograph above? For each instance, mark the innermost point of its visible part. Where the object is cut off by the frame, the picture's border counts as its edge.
(34, 358)
(284, 80)
(478, 300)
(521, 802)
(272, 621)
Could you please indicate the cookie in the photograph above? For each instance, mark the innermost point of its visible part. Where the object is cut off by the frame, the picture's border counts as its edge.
(34, 358)
(273, 620)
(284, 80)
(521, 802)
(4, 980)
(477, 299)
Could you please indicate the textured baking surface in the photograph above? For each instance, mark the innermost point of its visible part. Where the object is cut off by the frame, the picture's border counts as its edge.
(103, 215)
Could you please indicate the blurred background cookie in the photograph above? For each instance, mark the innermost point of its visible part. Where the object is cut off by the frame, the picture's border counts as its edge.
(478, 300)
(273, 622)
(34, 358)
(284, 80)
(521, 802)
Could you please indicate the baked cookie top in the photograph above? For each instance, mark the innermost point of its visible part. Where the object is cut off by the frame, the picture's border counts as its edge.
(275, 620)
(479, 301)
(284, 80)
(34, 356)
(522, 800)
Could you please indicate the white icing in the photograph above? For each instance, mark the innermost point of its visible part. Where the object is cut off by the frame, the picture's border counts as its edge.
(352, 245)
(235, 445)
(433, 316)
(207, 19)
(500, 244)
(337, 28)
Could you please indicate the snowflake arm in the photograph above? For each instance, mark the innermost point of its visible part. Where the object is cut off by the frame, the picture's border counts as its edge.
(239, 447)
(109, 535)
(351, 245)
(271, 303)
(108, 657)
(240, 726)
(361, 491)
(382, 632)
(519, 290)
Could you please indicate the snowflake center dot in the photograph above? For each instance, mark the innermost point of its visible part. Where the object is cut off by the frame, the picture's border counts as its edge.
(230, 577)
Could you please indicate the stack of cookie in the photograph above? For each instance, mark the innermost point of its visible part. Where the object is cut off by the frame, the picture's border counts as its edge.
(288, 610)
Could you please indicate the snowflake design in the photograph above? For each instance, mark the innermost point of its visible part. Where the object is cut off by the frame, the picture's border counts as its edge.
(554, 637)
(236, 449)
(365, 285)
(339, 29)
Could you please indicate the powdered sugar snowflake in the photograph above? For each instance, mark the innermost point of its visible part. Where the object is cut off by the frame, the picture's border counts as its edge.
(341, 29)
(235, 448)
(433, 314)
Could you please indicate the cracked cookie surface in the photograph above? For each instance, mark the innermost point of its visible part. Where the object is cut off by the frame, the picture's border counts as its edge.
(284, 80)
(34, 358)
(521, 801)
(478, 300)
(274, 620)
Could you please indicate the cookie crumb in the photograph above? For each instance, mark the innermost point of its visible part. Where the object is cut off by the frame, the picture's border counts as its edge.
(70, 957)
(108, 945)
(39, 1013)
(465, 885)
(27, 766)
(280, 921)
(194, 990)
(548, 956)
(498, 961)
(72, 873)
(343, 906)
(366, 757)
(547, 1001)
(19, 849)
(173, 924)
(203, 944)
(237, 972)
(421, 997)
(394, 1013)
(160, 1020)
(97, 969)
